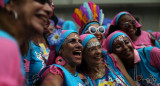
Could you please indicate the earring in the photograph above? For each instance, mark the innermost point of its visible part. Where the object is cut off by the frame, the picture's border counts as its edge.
(15, 15)
(60, 61)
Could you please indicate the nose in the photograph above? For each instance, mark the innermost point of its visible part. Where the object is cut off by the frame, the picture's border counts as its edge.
(79, 45)
(99, 51)
(48, 9)
(125, 47)
(97, 33)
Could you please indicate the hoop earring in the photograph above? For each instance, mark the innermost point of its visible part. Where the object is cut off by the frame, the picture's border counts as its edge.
(15, 15)
(60, 61)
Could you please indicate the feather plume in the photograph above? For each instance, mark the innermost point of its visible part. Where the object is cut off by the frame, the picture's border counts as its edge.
(88, 10)
(84, 12)
(98, 11)
(101, 17)
(94, 12)
(76, 19)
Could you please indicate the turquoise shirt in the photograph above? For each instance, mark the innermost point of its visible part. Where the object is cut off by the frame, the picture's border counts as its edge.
(37, 60)
(144, 73)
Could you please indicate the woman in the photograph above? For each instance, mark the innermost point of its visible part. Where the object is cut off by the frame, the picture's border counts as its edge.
(100, 68)
(17, 27)
(143, 66)
(126, 22)
(90, 19)
(67, 57)
(37, 55)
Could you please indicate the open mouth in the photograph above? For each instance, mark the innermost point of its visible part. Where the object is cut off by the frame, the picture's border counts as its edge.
(77, 53)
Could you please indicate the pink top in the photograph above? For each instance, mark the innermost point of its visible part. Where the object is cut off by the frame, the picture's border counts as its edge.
(156, 35)
(144, 40)
(155, 57)
(10, 63)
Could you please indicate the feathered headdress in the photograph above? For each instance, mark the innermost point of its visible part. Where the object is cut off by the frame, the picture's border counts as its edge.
(88, 12)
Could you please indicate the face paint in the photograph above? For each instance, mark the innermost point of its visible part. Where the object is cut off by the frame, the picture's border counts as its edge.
(93, 44)
(119, 38)
(76, 36)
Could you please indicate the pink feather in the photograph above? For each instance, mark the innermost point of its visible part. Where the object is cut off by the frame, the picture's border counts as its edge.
(76, 19)
(91, 5)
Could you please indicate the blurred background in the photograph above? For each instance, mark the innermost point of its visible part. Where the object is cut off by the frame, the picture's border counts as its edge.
(147, 12)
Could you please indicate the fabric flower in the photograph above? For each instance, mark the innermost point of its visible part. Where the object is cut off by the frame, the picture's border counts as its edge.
(56, 37)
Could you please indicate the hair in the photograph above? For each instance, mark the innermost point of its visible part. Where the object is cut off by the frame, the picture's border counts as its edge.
(12, 26)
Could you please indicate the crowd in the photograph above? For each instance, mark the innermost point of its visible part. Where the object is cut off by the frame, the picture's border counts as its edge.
(36, 51)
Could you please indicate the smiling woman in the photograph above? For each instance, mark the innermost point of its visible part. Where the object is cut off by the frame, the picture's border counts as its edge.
(63, 61)
(20, 20)
(142, 64)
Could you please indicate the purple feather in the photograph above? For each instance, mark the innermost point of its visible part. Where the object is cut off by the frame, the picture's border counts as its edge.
(98, 11)
(84, 11)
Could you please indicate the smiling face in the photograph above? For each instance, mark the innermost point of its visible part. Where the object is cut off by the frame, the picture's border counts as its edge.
(98, 35)
(34, 15)
(92, 53)
(71, 50)
(127, 24)
(123, 48)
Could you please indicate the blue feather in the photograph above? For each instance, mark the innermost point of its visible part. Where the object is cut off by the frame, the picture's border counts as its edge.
(88, 10)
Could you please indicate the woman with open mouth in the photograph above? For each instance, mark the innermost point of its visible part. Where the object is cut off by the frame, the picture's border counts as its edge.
(142, 64)
(64, 58)
(98, 68)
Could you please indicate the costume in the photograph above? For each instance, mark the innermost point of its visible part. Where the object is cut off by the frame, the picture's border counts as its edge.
(146, 71)
(113, 75)
(11, 66)
(89, 13)
(36, 59)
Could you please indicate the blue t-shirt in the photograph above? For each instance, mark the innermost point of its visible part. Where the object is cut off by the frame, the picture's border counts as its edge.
(143, 72)
(37, 60)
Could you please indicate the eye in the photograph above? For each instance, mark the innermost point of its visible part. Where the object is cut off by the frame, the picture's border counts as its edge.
(80, 41)
(126, 41)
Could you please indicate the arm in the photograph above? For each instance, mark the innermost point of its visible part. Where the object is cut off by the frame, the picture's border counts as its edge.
(155, 57)
(124, 71)
(52, 80)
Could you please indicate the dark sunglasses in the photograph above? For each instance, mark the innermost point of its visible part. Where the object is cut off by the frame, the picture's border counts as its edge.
(126, 24)
(93, 30)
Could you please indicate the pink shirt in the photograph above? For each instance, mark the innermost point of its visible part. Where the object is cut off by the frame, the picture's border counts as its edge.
(10, 63)
(144, 40)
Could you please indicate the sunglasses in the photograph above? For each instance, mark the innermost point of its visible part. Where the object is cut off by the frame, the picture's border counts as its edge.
(93, 30)
(47, 1)
(126, 24)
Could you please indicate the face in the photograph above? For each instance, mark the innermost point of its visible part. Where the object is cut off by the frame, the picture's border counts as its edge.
(98, 35)
(34, 15)
(92, 53)
(71, 50)
(127, 24)
(123, 48)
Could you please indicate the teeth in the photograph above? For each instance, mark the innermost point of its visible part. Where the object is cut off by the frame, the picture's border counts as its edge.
(98, 38)
(44, 18)
(98, 57)
(78, 51)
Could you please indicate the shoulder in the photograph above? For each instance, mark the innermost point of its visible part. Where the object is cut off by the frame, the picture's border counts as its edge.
(8, 46)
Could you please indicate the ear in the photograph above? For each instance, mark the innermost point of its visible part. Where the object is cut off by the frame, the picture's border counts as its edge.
(10, 7)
